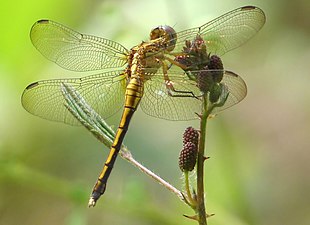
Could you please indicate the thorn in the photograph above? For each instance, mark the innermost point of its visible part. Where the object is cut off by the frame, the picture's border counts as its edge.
(195, 217)
(209, 215)
(206, 157)
(200, 116)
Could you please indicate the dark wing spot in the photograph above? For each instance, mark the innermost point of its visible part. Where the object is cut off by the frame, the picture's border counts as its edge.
(43, 21)
(30, 86)
(249, 7)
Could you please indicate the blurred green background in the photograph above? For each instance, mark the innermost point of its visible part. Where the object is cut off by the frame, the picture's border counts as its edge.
(259, 167)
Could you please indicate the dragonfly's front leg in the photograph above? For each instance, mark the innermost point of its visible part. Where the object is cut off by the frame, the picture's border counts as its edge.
(170, 88)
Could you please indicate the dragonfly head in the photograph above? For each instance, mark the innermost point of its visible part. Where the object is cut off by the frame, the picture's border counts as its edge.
(167, 34)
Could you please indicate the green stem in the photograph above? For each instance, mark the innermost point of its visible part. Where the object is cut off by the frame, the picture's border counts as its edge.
(202, 216)
(188, 191)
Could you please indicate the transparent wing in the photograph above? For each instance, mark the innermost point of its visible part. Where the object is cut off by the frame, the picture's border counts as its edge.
(157, 101)
(104, 92)
(237, 90)
(226, 32)
(74, 51)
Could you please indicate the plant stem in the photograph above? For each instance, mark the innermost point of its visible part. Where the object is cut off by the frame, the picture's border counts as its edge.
(151, 174)
(202, 218)
(190, 199)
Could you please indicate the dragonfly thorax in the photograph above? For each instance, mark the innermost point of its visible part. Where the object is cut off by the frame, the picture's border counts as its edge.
(144, 60)
(167, 34)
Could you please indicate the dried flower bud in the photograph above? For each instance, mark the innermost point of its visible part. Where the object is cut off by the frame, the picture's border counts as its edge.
(190, 135)
(188, 157)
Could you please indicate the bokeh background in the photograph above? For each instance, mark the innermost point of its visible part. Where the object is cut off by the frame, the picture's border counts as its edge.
(259, 167)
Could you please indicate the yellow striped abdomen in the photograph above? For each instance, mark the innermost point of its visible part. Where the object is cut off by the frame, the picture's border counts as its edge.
(133, 94)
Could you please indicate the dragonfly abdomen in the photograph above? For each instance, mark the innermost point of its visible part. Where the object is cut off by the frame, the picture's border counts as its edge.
(133, 95)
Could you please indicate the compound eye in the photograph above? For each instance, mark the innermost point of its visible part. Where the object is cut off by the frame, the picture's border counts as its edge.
(167, 33)
(155, 33)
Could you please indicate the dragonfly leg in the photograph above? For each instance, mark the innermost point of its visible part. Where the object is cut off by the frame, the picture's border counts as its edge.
(176, 63)
(178, 93)
(169, 85)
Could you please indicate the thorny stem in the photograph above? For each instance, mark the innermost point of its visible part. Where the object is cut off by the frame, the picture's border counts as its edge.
(206, 112)
(202, 218)
(79, 108)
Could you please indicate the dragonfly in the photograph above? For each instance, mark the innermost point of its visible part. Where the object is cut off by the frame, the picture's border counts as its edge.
(158, 75)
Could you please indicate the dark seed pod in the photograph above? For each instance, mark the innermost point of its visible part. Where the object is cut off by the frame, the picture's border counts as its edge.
(190, 135)
(188, 157)
(205, 80)
(216, 63)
